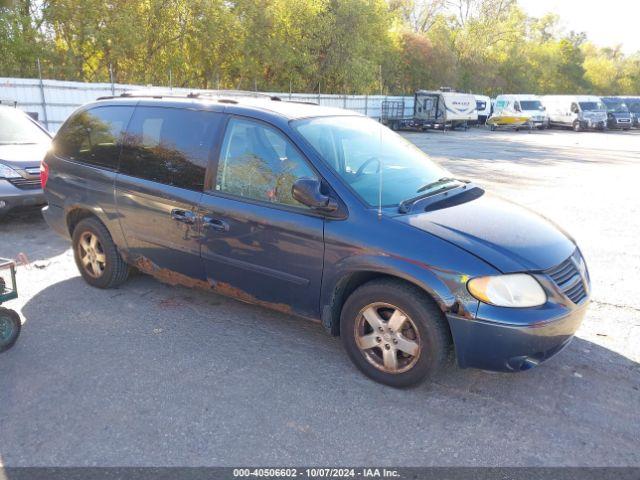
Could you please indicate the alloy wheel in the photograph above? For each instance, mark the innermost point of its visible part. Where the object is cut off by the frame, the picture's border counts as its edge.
(91, 254)
(388, 338)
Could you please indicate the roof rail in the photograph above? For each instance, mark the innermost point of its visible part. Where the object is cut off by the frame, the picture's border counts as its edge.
(163, 93)
(223, 96)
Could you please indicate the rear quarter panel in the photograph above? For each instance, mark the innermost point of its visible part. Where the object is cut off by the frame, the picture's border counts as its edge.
(74, 185)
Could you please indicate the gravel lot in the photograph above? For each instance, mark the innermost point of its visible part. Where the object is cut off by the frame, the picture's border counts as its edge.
(156, 375)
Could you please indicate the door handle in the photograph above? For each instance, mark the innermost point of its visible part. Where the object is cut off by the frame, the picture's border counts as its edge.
(215, 224)
(184, 216)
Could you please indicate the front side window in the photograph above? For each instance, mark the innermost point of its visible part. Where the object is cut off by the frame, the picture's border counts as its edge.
(169, 146)
(17, 129)
(258, 162)
(94, 136)
(366, 155)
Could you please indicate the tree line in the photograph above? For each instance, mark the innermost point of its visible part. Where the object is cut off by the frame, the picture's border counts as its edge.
(332, 46)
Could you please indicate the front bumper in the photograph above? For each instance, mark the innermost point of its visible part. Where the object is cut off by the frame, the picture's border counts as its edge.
(487, 342)
(620, 123)
(594, 124)
(12, 197)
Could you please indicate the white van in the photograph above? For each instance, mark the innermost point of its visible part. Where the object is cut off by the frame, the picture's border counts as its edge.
(576, 111)
(483, 107)
(528, 105)
(443, 109)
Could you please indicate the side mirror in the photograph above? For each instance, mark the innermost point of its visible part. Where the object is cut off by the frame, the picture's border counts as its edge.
(307, 191)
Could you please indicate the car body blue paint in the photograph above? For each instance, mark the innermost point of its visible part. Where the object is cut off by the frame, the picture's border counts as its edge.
(276, 255)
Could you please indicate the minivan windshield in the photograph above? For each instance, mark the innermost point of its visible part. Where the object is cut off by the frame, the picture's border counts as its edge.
(366, 155)
(531, 105)
(593, 107)
(17, 129)
(617, 106)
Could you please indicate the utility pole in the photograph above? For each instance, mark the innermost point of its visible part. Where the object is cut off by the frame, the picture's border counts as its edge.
(42, 97)
(113, 87)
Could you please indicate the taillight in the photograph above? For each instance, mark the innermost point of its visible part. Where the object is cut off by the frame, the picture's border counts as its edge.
(44, 173)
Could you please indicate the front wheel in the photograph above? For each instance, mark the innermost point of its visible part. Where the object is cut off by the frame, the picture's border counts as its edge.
(10, 326)
(577, 127)
(394, 333)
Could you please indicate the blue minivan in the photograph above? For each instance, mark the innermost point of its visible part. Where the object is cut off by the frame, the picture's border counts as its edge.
(317, 212)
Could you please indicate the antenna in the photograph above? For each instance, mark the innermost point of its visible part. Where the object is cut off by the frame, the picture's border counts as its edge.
(380, 173)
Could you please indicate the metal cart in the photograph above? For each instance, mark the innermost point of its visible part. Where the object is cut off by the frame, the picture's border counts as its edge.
(10, 323)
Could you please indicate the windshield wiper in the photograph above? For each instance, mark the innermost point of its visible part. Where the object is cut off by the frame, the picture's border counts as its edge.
(440, 181)
(406, 205)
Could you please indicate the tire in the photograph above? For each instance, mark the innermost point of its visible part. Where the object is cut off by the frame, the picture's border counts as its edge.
(424, 327)
(492, 128)
(576, 126)
(10, 326)
(111, 269)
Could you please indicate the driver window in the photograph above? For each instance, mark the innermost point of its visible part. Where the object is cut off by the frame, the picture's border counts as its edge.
(259, 163)
(517, 107)
(574, 108)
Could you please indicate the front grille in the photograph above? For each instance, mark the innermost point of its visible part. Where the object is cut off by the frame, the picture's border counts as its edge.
(569, 278)
(26, 183)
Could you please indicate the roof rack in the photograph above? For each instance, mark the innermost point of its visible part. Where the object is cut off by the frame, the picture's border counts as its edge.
(163, 93)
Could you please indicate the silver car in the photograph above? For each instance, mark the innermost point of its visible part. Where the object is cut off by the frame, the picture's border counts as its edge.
(23, 144)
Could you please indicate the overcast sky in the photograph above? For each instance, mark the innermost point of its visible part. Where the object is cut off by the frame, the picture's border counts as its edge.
(606, 22)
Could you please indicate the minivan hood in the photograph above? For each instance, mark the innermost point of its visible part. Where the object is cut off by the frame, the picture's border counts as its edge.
(508, 236)
(23, 156)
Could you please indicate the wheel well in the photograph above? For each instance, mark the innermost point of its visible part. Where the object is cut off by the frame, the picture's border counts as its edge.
(75, 216)
(349, 284)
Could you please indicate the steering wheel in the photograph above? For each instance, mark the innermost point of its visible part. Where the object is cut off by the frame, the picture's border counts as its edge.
(366, 164)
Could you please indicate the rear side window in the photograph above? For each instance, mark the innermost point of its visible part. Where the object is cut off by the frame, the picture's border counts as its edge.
(94, 136)
(169, 146)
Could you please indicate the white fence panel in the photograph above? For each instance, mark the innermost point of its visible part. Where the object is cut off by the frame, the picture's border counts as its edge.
(54, 100)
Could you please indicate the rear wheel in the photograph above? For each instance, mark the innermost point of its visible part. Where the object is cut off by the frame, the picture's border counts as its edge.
(97, 256)
(10, 326)
(394, 333)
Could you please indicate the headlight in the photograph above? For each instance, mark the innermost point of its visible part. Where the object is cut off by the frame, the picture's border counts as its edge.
(515, 290)
(8, 172)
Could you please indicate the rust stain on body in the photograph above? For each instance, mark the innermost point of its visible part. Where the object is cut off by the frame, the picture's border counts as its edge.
(171, 277)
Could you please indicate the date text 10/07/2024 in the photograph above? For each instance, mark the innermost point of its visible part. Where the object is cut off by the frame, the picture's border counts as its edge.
(316, 473)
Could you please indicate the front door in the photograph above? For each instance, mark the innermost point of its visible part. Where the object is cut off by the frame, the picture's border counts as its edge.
(259, 244)
(158, 188)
